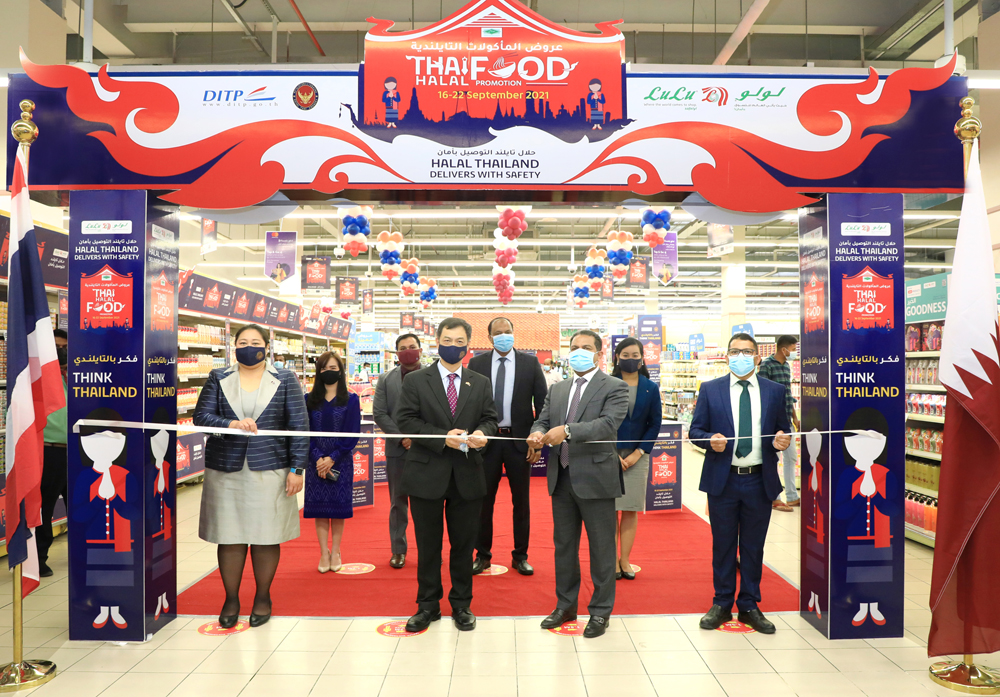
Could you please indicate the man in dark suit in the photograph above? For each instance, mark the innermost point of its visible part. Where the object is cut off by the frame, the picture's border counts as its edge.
(443, 476)
(386, 404)
(584, 479)
(740, 476)
(519, 391)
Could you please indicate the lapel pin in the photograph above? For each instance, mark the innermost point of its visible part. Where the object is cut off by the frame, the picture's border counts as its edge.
(469, 384)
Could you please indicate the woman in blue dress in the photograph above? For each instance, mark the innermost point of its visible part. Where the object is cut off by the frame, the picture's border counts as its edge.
(391, 100)
(330, 474)
(596, 100)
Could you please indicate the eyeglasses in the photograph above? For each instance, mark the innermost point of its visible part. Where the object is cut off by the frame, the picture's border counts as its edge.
(746, 352)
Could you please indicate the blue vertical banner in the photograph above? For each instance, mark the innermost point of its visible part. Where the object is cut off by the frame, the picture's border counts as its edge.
(121, 483)
(650, 332)
(379, 463)
(663, 485)
(364, 467)
(859, 498)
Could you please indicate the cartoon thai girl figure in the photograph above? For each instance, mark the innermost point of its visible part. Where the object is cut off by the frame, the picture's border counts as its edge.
(595, 100)
(391, 100)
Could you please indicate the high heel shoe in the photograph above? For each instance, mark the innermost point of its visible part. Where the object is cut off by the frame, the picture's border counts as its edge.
(338, 566)
(258, 620)
(323, 568)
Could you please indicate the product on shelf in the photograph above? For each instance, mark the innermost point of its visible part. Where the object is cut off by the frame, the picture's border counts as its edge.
(922, 473)
(204, 334)
(928, 440)
(925, 404)
(3, 360)
(3, 315)
(922, 371)
(921, 512)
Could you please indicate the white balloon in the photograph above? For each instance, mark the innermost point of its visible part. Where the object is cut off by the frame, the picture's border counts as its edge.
(614, 246)
(498, 232)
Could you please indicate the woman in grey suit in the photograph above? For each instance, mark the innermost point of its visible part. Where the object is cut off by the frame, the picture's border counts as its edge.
(248, 500)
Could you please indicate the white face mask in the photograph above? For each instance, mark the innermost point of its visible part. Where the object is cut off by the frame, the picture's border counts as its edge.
(793, 355)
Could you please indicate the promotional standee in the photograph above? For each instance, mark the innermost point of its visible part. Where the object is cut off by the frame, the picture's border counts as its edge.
(853, 371)
(650, 332)
(122, 356)
(663, 488)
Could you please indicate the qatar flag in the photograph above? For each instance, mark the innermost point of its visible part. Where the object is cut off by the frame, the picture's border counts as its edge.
(966, 614)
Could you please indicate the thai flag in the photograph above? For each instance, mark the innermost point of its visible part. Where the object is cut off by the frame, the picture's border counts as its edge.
(34, 382)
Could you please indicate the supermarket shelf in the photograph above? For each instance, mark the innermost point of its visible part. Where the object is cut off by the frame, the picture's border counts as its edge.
(214, 347)
(923, 354)
(923, 454)
(925, 417)
(185, 378)
(181, 410)
(921, 490)
(919, 536)
(926, 388)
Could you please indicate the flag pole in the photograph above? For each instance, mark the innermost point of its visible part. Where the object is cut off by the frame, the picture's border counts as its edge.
(21, 674)
(966, 676)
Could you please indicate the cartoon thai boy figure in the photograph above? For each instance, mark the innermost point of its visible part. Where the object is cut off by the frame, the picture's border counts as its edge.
(595, 100)
(391, 100)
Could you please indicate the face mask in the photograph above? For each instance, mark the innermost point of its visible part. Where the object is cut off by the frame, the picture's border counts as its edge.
(329, 377)
(581, 360)
(741, 365)
(61, 355)
(250, 355)
(629, 365)
(503, 342)
(408, 356)
(793, 355)
(279, 364)
(452, 354)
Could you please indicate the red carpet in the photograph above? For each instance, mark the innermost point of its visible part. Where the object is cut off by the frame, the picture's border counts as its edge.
(673, 549)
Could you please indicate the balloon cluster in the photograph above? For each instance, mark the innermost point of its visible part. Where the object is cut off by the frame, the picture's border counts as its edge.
(389, 246)
(326, 304)
(410, 278)
(511, 223)
(357, 229)
(346, 314)
(619, 253)
(505, 249)
(581, 290)
(503, 281)
(654, 225)
(428, 291)
(595, 266)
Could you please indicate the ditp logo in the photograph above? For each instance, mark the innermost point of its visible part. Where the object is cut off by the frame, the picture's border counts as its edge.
(866, 229)
(221, 97)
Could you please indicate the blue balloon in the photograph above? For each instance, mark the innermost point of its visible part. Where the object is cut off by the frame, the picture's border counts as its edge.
(664, 215)
(361, 221)
(648, 215)
(365, 230)
(349, 220)
(352, 229)
(666, 226)
(657, 224)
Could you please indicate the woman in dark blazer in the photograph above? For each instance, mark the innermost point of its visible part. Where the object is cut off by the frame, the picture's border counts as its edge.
(248, 499)
(636, 437)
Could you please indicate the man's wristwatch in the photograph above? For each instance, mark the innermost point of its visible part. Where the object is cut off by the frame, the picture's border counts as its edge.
(566, 431)
(298, 470)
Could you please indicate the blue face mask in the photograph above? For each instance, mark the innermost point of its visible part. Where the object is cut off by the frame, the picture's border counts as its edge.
(503, 342)
(250, 355)
(279, 364)
(452, 354)
(741, 365)
(581, 360)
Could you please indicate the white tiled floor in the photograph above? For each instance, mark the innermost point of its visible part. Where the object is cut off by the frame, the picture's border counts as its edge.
(638, 657)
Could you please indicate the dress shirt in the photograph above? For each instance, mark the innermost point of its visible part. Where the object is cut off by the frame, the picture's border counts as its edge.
(735, 391)
(508, 384)
(583, 387)
(444, 378)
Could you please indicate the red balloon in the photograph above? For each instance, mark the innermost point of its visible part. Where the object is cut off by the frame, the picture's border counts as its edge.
(508, 212)
(520, 214)
(515, 223)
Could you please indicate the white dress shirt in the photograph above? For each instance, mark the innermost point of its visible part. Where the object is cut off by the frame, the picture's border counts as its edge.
(735, 392)
(444, 378)
(508, 384)
(583, 388)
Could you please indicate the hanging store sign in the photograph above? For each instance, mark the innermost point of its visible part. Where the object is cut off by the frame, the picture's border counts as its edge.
(209, 236)
(347, 291)
(367, 301)
(279, 254)
(315, 273)
(665, 259)
(493, 96)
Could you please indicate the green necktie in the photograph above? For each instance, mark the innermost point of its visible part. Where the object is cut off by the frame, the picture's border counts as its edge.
(745, 443)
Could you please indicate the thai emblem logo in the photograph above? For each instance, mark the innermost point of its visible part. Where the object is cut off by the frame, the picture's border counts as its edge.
(213, 297)
(664, 470)
(305, 96)
(260, 309)
(106, 300)
(868, 301)
(360, 467)
(716, 95)
(242, 304)
(814, 298)
(161, 295)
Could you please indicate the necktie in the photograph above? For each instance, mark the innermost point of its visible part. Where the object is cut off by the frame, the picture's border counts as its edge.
(452, 392)
(745, 443)
(498, 388)
(574, 403)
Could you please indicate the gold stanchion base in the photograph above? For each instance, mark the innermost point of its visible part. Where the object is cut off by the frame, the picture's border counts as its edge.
(25, 675)
(968, 678)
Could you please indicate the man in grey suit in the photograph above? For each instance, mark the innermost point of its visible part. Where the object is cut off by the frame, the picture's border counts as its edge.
(584, 479)
(387, 395)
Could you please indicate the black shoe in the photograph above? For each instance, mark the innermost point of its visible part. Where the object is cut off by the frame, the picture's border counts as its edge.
(422, 620)
(480, 565)
(398, 561)
(596, 626)
(43, 570)
(228, 621)
(715, 618)
(260, 620)
(618, 575)
(755, 618)
(628, 575)
(522, 567)
(558, 618)
(465, 621)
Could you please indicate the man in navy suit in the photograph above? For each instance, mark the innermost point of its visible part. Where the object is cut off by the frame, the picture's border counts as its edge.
(740, 475)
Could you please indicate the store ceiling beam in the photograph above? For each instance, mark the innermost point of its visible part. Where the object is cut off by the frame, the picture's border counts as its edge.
(741, 32)
(247, 31)
(918, 25)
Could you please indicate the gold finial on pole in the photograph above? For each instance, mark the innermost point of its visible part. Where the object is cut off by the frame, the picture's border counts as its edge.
(968, 128)
(25, 130)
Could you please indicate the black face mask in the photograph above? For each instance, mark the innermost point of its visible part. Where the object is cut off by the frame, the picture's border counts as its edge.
(61, 355)
(630, 365)
(329, 377)
(250, 355)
